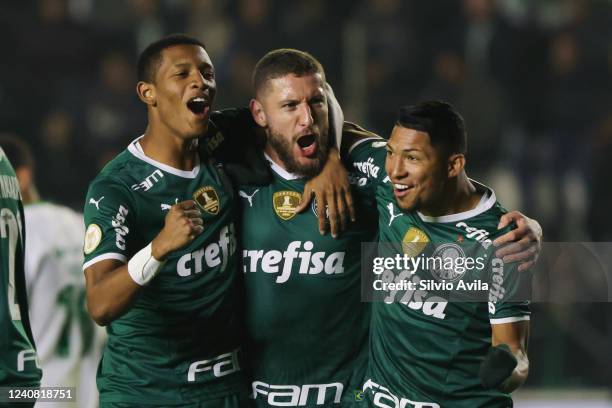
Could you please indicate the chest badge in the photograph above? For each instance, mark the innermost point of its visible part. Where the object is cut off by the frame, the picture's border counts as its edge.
(414, 242)
(285, 203)
(207, 199)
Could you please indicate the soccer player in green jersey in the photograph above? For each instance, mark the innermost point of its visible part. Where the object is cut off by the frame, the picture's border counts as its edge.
(307, 330)
(427, 351)
(18, 365)
(160, 249)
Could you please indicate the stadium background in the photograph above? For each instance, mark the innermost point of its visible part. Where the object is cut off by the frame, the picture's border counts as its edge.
(532, 78)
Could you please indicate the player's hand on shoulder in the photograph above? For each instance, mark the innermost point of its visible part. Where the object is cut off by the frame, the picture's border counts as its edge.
(332, 191)
(182, 225)
(523, 244)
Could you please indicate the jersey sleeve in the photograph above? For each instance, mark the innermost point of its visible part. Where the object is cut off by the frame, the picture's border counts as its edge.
(109, 218)
(509, 293)
(366, 164)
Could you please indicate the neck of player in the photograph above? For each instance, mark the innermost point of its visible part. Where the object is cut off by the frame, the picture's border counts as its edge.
(179, 153)
(458, 195)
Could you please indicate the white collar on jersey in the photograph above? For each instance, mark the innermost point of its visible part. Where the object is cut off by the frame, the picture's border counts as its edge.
(280, 171)
(136, 149)
(486, 202)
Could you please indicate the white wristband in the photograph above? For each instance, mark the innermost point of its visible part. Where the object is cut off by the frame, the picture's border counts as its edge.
(142, 267)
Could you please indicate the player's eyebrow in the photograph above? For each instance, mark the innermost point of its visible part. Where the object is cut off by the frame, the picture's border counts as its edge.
(390, 147)
(288, 100)
(189, 64)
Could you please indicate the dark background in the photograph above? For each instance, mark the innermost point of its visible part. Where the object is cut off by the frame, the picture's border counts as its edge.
(533, 80)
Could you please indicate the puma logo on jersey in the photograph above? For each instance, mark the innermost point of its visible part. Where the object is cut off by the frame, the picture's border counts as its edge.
(96, 203)
(383, 398)
(167, 207)
(391, 213)
(277, 262)
(248, 197)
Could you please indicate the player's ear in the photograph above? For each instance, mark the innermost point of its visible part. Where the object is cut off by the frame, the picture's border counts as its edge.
(258, 113)
(146, 93)
(456, 164)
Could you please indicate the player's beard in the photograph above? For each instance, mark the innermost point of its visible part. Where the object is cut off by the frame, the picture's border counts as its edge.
(284, 149)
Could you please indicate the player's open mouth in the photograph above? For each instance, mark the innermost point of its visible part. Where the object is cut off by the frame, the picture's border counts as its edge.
(308, 144)
(199, 106)
(402, 189)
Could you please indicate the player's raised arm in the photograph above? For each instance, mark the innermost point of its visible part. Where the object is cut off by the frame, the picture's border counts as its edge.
(112, 285)
(506, 365)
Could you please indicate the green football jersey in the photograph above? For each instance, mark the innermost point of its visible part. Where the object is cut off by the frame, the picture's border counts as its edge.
(424, 350)
(307, 328)
(179, 341)
(18, 363)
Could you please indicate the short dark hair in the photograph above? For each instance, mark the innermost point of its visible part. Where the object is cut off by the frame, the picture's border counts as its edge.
(150, 59)
(17, 151)
(284, 61)
(441, 121)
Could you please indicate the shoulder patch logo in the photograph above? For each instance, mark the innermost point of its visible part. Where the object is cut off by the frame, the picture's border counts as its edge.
(207, 199)
(285, 203)
(414, 242)
(93, 236)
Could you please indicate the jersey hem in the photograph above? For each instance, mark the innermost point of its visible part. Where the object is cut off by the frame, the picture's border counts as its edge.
(512, 319)
(110, 255)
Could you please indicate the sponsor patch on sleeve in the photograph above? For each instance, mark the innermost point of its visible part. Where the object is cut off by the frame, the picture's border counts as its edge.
(93, 236)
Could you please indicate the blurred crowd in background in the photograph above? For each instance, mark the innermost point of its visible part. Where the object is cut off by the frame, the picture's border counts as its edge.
(533, 80)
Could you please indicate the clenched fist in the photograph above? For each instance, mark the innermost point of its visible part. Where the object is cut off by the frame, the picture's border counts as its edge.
(182, 225)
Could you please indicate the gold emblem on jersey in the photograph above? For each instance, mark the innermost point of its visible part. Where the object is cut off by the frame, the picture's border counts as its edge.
(414, 242)
(207, 199)
(93, 236)
(285, 203)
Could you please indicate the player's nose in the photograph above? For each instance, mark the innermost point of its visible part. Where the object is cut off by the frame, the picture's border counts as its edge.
(306, 118)
(395, 167)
